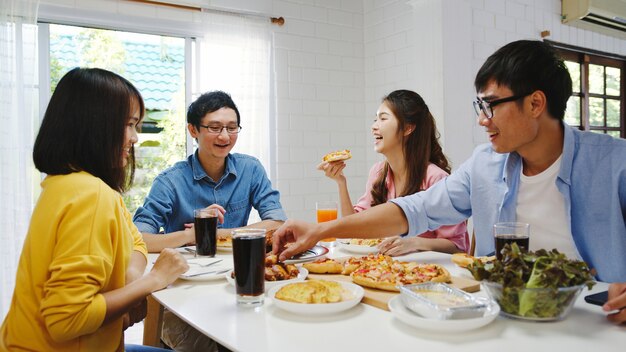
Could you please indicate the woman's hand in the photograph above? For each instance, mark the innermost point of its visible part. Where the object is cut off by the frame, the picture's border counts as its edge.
(168, 266)
(333, 170)
(136, 314)
(616, 301)
(396, 246)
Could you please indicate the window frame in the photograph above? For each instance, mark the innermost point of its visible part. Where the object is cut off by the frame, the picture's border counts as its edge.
(53, 14)
(585, 57)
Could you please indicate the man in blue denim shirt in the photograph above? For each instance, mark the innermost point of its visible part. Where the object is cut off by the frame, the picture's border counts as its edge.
(211, 177)
(523, 90)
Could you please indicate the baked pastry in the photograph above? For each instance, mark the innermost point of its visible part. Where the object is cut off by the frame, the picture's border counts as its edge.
(370, 242)
(324, 266)
(312, 291)
(464, 260)
(337, 155)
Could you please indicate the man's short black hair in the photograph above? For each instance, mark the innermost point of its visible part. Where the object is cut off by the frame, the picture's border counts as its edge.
(210, 102)
(526, 66)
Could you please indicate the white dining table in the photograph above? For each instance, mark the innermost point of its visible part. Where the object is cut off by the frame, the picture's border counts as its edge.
(210, 307)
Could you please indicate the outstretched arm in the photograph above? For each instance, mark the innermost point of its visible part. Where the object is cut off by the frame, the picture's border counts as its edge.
(380, 221)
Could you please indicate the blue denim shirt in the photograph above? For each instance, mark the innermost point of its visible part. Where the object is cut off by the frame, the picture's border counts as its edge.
(177, 191)
(592, 180)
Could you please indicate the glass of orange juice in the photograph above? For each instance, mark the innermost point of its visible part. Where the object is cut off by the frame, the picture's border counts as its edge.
(326, 211)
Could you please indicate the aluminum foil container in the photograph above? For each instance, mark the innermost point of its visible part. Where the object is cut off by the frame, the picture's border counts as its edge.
(440, 301)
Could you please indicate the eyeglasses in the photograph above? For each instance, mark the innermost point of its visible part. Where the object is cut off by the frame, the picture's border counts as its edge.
(217, 129)
(486, 107)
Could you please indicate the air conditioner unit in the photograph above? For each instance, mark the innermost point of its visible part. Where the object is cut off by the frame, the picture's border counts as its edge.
(606, 13)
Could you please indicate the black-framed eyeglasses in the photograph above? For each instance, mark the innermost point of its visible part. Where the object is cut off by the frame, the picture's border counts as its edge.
(486, 107)
(217, 129)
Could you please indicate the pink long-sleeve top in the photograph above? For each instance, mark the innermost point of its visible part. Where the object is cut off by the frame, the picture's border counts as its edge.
(455, 233)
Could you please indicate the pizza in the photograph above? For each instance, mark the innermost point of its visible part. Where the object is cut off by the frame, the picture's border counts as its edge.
(464, 260)
(324, 266)
(380, 271)
(388, 274)
(369, 242)
(351, 264)
(337, 155)
(225, 241)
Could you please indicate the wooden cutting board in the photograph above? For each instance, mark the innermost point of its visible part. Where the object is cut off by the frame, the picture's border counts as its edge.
(379, 298)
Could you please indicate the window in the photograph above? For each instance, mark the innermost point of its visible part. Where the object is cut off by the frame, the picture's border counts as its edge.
(156, 66)
(598, 94)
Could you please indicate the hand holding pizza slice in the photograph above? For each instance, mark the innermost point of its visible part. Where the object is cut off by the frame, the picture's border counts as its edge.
(337, 155)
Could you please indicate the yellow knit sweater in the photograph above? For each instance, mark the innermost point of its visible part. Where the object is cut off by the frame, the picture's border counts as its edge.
(78, 246)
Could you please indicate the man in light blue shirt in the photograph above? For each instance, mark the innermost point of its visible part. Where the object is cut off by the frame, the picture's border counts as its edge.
(523, 90)
(211, 177)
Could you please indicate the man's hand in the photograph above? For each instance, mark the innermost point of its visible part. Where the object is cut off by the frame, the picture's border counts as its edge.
(220, 212)
(299, 234)
(616, 301)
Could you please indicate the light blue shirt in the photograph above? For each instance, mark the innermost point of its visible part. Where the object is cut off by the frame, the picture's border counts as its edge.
(177, 191)
(592, 180)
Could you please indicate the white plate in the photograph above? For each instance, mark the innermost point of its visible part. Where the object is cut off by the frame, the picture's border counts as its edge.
(213, 272)
(400, 311)
(359, 249)
(270, 284)
(319, 308)
(307, 256)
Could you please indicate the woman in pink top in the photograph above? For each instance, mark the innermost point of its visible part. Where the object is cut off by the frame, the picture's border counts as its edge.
(405, 133)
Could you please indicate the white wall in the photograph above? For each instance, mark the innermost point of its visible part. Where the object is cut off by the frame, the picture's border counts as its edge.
(319, 87)
(335, 59)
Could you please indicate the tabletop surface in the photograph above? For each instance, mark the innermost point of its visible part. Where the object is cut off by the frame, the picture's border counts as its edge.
(210, 307)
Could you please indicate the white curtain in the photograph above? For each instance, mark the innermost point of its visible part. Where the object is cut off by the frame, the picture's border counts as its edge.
(18, 122)
(234, 56)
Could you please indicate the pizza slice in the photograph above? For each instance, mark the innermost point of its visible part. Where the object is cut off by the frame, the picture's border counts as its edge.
(324, 266)
(337, 155)
(464, 260)
(388, 275)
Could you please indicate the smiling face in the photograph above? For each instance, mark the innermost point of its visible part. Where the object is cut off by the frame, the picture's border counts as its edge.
(387, 140)
(512, 127)
(215, 146)
(130, 133)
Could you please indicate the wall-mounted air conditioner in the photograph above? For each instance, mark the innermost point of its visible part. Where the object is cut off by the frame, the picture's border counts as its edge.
(606, 13)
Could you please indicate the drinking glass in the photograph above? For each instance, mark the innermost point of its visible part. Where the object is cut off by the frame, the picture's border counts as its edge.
(205, 227)
(249, 263)
(326, 211)
(511, 232)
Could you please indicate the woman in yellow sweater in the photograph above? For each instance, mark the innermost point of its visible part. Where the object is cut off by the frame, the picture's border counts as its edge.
(80, 279)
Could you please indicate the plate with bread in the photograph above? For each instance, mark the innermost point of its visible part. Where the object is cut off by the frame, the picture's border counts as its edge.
(316, 297)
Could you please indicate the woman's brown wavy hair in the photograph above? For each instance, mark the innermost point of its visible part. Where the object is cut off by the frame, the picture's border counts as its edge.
(420, 147)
